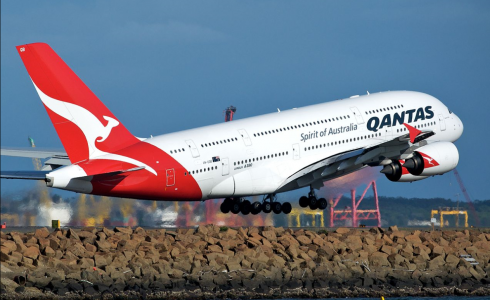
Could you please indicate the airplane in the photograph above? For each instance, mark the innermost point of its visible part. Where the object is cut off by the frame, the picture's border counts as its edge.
(409, 134)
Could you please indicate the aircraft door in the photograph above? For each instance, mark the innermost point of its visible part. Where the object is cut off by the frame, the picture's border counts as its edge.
(442, 122)
(170, 177)
(357, 114)
(225, 166)
(388, 132)
(296, 151)
(246, 138)
(193, 148)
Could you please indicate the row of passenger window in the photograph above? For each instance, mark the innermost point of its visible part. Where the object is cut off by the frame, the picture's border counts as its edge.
(260, 158)
(178, 150)
(343, 141)
(202, 170)
(383, 109)
(219, 142)
(301, 125)
(417, 126)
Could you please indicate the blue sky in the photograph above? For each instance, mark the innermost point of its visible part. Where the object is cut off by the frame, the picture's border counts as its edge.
(167, 66)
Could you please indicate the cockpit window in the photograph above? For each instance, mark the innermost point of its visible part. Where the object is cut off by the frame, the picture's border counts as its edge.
(450, 112)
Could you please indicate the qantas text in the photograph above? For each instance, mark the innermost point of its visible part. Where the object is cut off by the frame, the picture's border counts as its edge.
(409, 116)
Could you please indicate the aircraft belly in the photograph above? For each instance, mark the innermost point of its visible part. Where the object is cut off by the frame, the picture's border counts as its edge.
(206, 185)
(225, 188)
(256, 182)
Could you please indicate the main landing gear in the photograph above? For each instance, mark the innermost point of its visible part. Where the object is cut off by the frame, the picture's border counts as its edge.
(269, 203)
(312, 201)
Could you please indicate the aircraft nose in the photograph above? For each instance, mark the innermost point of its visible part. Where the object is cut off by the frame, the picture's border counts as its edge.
(458, 127)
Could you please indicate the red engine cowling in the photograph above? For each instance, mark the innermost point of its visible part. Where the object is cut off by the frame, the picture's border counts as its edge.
(433, 159)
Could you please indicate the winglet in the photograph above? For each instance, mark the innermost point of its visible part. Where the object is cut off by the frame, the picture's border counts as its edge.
(414, 132)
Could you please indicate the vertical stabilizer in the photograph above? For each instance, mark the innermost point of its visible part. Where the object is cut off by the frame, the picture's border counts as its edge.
(84, 124)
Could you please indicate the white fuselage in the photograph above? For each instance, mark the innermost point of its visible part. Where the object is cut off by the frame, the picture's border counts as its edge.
(270, 153)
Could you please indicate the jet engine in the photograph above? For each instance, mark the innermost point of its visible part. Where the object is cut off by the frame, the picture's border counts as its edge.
(433, 159)
(396, 172)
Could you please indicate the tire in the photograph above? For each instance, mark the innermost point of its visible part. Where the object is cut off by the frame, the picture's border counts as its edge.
(266, 207)
(235, 207)
(322, 203)
(286, 208)
(226, 205)
(256, 208)
(277, 207)
(304, 202)
(313, 201)
(245, 207)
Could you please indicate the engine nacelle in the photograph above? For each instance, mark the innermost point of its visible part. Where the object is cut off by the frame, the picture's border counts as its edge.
(396, 172)
(433, 159)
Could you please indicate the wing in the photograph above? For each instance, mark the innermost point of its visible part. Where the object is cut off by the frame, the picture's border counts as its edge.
(380, 152)
(32, 175)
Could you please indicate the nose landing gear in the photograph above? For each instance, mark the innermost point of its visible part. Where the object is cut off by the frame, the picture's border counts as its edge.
(312, 201)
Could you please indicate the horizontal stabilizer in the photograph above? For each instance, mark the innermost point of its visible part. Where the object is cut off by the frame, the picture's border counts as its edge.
(33, 152)
(109, 174)
(32, 175)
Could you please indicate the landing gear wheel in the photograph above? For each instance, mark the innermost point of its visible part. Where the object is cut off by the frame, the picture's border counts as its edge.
(266, 207)
(256, 208)
(245, 207)
(286, 207)
(322, 203)
(313, 202)
(235, 207)
(303, 201)
(277, 207)
(226, 206)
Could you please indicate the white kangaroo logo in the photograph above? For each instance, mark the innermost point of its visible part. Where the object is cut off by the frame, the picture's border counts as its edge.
(91, 127)
(107, 129)
(429, 160)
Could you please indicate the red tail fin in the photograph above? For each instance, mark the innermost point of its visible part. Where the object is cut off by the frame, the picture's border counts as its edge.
(84, 124)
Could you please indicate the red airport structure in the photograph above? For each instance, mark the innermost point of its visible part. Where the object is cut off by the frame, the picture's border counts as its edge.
(229, 112)
(352, 212)
(467, 197)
